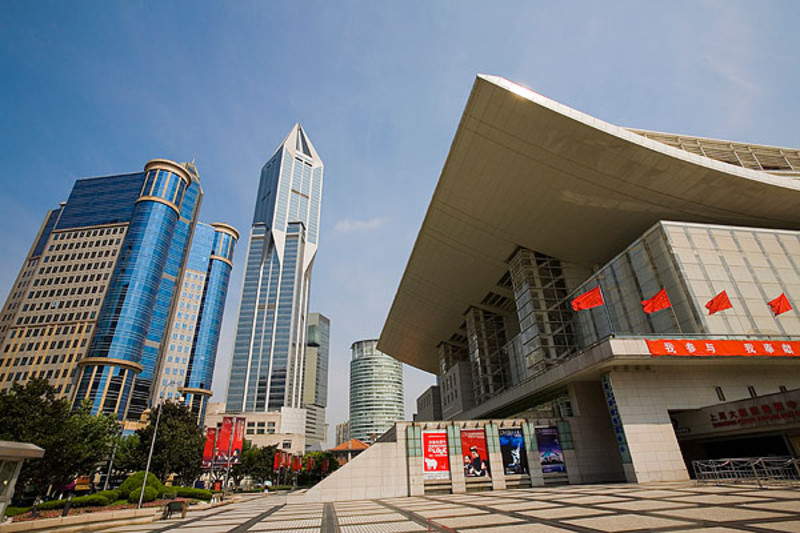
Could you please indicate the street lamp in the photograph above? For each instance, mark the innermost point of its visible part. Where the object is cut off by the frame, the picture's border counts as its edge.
(153, 442)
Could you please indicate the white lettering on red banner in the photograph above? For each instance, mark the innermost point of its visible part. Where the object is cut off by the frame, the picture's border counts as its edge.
(715, 348)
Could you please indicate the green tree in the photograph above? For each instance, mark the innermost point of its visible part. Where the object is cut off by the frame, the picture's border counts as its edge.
(73, 440)
(256, 463)
(179, 443)
(130, 456)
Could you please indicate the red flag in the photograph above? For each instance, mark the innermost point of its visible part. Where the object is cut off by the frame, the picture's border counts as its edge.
(276, 464)
(780, 305)
(238, 439)
(224, 440)
(720, 302)
(208, 449)
(657, 303)
(325, 465)
(588, 300)
(297, 464)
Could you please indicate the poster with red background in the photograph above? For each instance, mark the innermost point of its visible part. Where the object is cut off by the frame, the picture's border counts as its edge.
(208, 449)
(435, 461)
(238, 439)
(473, 448)
(224, 440)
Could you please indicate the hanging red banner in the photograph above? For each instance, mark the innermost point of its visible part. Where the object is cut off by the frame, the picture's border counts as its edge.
(276, 463)
(712, 348)
(238, 440)
(208, 449)
(224, 440)
(325, 465)
(297, 464)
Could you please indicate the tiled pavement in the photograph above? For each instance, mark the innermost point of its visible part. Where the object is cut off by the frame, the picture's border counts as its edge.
(577, 508)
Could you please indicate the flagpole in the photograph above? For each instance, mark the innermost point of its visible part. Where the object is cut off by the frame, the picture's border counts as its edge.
(605, 306)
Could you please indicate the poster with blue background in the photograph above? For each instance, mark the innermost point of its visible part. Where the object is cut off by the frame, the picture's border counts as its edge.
(512, 447)
(550, 450)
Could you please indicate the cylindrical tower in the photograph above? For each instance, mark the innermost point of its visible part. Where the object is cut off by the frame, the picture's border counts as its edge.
(114, 357)
(376, 391)
(198, 385)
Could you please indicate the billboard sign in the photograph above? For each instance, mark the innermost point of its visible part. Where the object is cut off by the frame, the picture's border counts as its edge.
(435, 460)
(550, 452)
(476, 457)
(512, 448)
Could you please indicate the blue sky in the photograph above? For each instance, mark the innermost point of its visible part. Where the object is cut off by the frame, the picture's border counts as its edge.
(95, 88)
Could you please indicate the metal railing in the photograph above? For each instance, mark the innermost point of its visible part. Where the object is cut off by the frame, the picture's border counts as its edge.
(749, 470)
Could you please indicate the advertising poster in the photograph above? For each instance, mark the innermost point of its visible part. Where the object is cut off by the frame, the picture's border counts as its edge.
(550, 450)
(512, 447)
(238, 440)
(476, 458)
(208, 449)
(224, 440)
(435, 461)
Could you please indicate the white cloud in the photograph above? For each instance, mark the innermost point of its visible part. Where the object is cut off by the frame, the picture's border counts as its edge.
(351, 226)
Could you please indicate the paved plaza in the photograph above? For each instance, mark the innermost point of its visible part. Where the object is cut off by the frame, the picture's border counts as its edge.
(578, 508)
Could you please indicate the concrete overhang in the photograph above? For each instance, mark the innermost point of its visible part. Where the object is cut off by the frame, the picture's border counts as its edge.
(524, 170)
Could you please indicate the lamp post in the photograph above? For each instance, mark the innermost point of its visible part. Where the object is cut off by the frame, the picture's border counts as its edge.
(153, 441)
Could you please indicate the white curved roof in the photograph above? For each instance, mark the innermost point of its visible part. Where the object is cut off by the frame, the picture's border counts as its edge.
(524, 170)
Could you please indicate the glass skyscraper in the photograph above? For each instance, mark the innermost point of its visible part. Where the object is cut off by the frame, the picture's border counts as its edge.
(101, 288)
(376, 391)
(267, 366)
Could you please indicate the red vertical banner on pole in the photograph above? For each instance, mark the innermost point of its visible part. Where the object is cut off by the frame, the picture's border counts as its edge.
(325, 465)
(224, 441)
(208, 449)
(238, 439)
(276, 463)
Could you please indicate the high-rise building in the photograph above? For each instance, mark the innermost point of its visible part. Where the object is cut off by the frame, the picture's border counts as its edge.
(269, 348)
(632, 294)
(376, 391)
(101, 287)
(315, 388)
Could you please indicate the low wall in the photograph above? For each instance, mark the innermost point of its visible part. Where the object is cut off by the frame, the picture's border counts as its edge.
(100, 521)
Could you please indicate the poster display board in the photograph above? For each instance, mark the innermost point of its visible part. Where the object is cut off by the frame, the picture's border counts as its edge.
(550, 450)
(512, 448)
(476, 458)
(435, 460)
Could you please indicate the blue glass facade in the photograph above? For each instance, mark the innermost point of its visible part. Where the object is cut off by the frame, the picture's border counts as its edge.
(269, 348)
(139, 294)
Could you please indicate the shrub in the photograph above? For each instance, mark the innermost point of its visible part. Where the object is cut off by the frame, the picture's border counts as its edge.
(90, 500)
(273, 488)
(150, 494)
(168, 493)
(190, 492)
(52, 504)
(112, 495)
(14, 511)
(134, 482)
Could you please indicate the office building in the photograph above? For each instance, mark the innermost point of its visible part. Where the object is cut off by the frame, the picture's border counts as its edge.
(267, 366)
(262, 429)
(429, 405)
(101, 287)
(376, 391)
(342, 432)
(315, 375)
(635, 293)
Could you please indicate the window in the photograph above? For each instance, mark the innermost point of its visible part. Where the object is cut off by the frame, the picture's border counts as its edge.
(720, 394)
(782, 388)
(752, 391)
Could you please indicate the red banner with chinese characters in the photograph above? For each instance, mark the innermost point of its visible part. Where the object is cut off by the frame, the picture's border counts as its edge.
(224, 440)
(711, 348)
(208, 449)
(238, 439)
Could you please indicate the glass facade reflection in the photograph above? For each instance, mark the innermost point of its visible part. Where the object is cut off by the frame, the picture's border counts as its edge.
(269, 348)
(376, 391)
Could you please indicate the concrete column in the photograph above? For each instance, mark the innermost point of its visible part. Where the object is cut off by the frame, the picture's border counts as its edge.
(457, 480)
(650, 439)
(532, 452)
(495, 457)
(596, 456)
(416, 483)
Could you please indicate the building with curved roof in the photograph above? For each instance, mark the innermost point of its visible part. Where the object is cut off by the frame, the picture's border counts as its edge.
(537, 204)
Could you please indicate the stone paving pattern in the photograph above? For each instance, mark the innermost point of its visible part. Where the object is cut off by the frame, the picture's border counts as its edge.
(577, 508)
